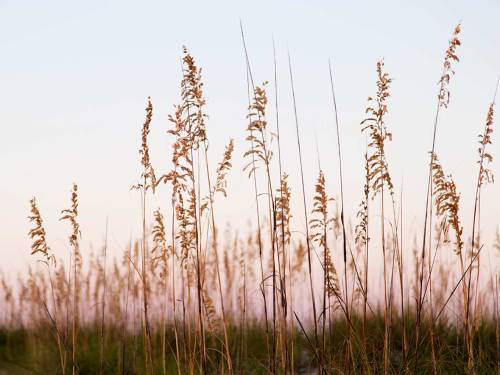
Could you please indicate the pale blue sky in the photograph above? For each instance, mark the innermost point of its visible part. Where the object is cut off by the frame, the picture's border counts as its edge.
(74, 78)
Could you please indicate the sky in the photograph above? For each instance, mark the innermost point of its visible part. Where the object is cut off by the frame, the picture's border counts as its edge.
(75, 77)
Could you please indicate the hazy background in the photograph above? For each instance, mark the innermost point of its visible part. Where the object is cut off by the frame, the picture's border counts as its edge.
(75, 76)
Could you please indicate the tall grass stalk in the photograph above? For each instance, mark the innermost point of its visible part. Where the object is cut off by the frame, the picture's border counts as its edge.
(71, 215)
(485, 176)
(39, 246)
(148, 181)
(341, 180)
(252, 165)
(443, 99)
(379, 176)
(308, 244)
(282, 263)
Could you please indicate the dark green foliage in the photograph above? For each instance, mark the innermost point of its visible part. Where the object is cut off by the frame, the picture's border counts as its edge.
(34, 351)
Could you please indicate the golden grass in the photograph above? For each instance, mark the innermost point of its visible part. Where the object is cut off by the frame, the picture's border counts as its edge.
(195, 299)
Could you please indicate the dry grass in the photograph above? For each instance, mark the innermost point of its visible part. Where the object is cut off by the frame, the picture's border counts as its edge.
(210, 303)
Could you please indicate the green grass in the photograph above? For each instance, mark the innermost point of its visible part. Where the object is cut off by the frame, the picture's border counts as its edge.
(33, 351)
